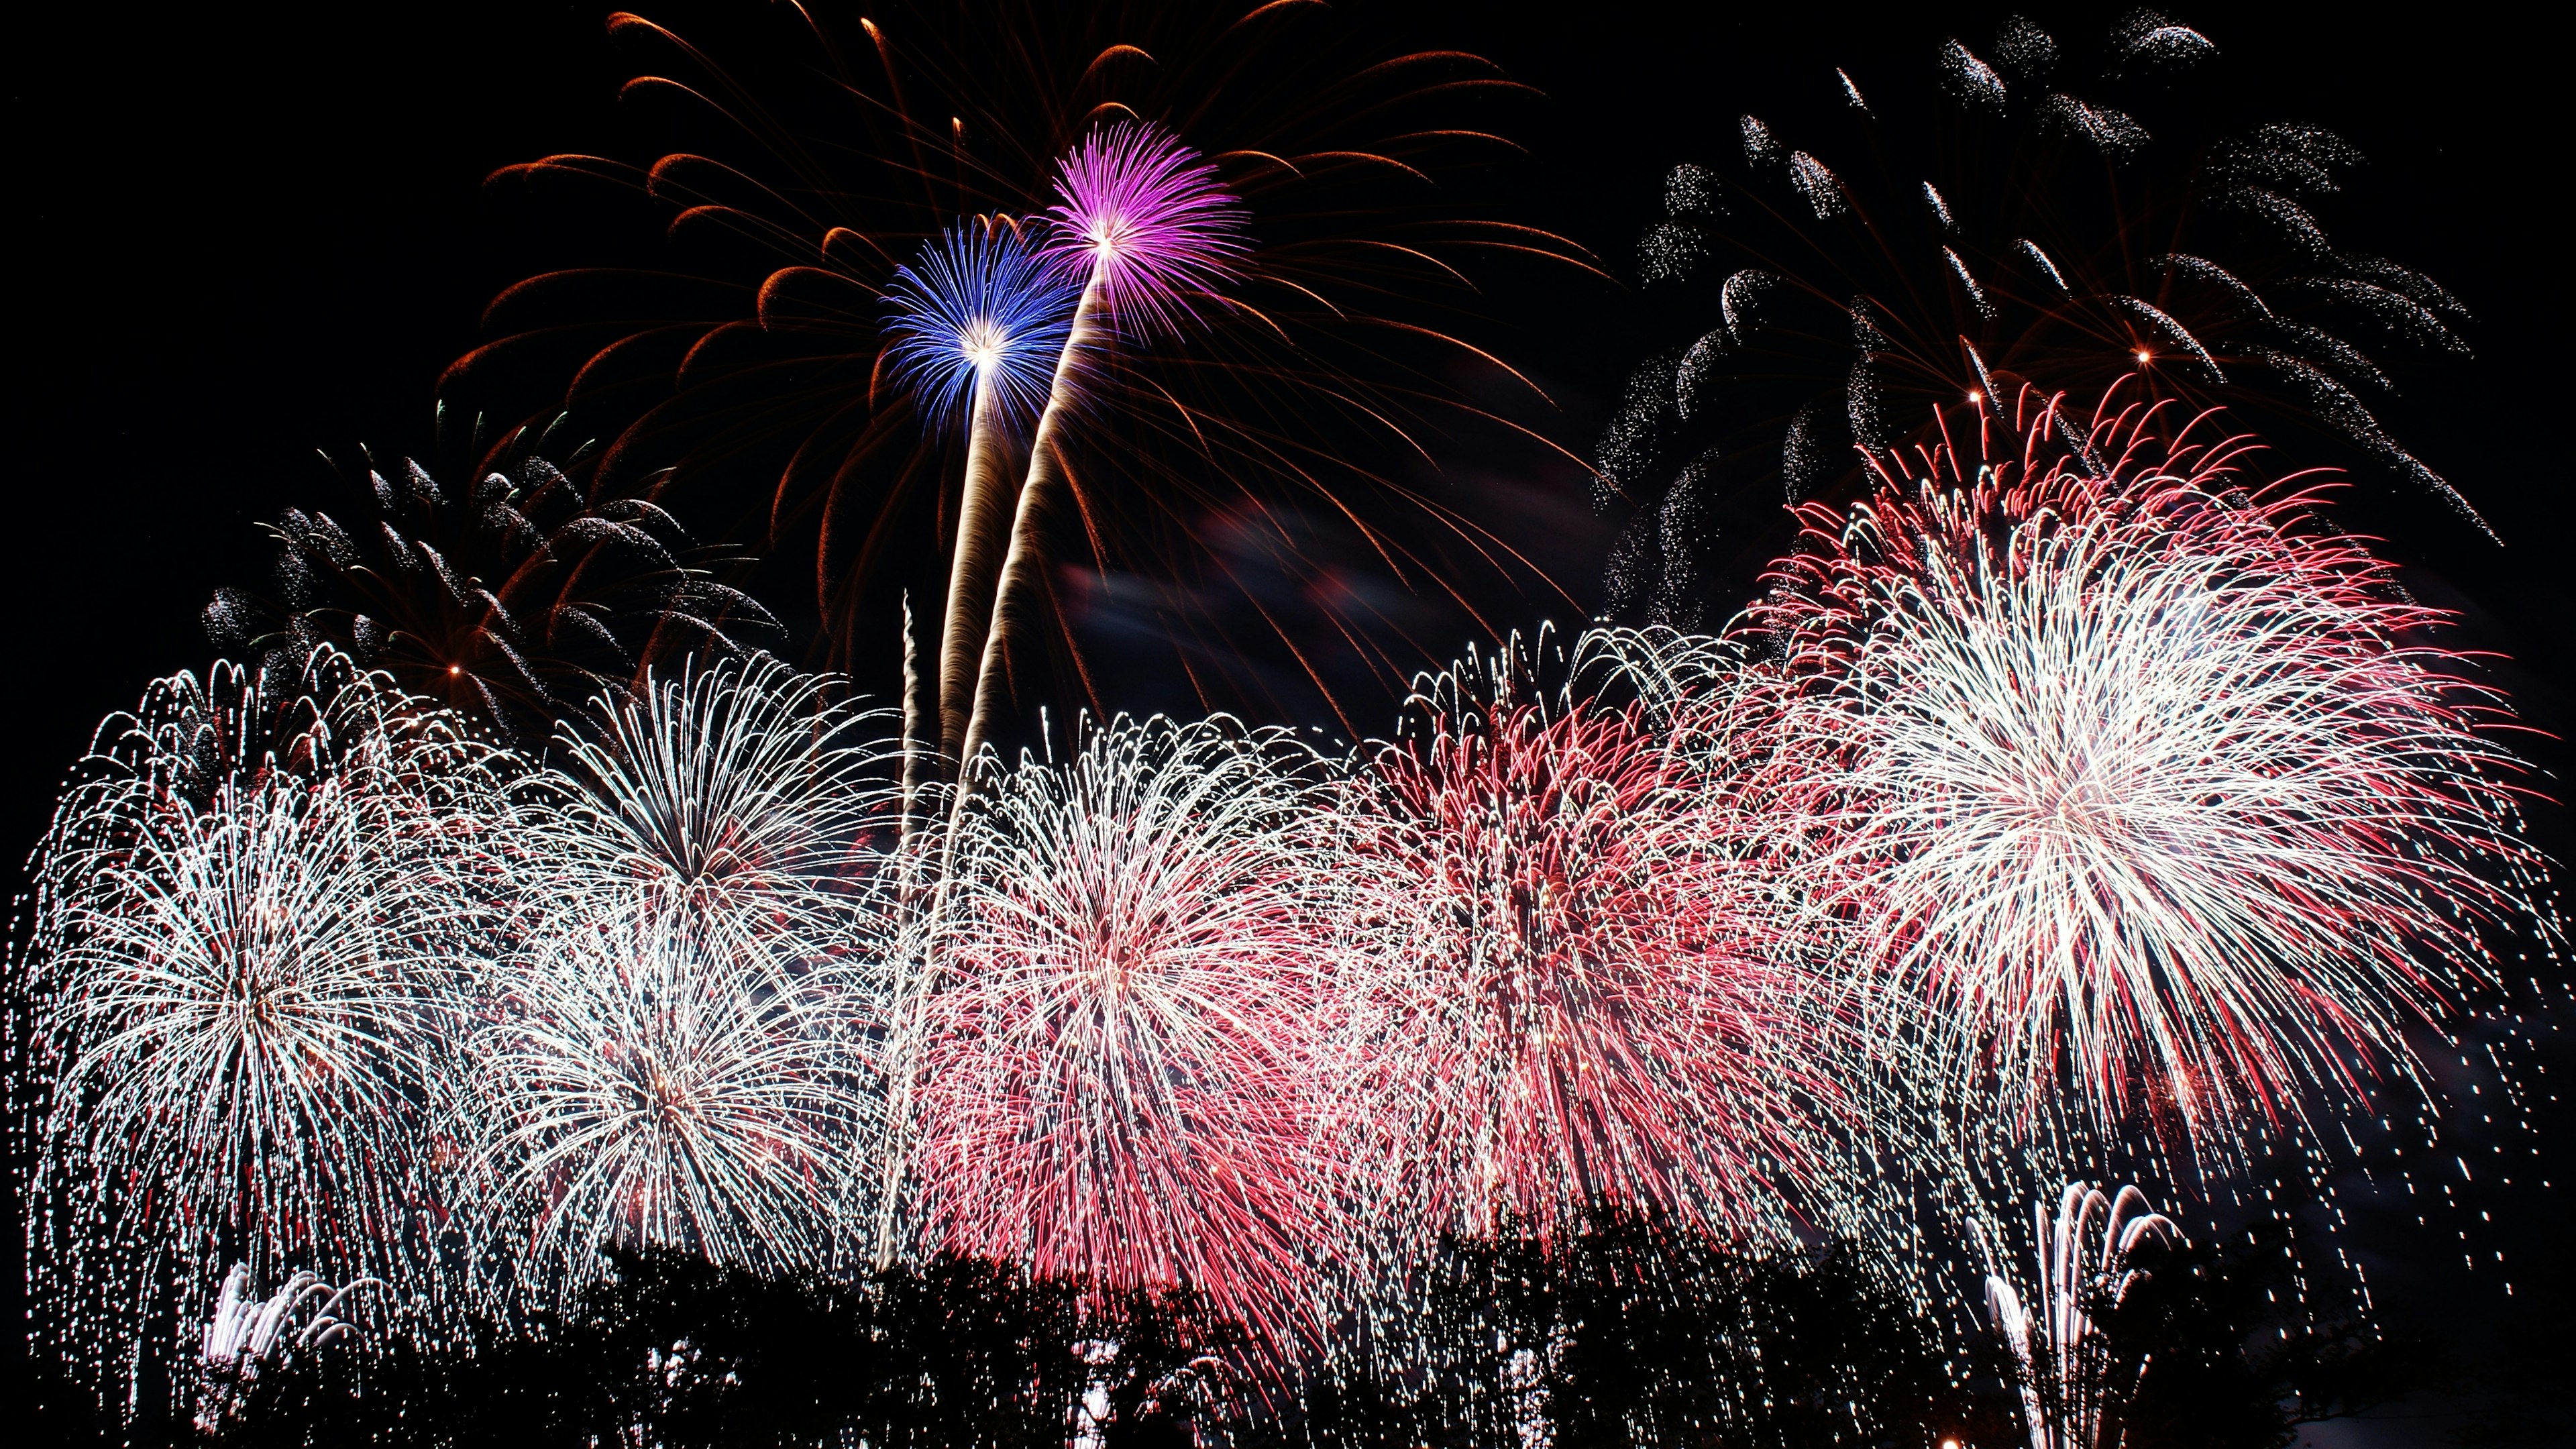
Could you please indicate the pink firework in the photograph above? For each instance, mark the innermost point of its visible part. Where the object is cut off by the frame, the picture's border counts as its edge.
(2142, 783)
(1573, 977)
(1143, 220)
(1115, 1070)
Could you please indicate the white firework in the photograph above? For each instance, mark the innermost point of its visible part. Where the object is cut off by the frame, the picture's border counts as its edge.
(2068, 1373)
(246, 954)
(679, 1040)
(2147, 792)
(641, 1083)
(741, 794)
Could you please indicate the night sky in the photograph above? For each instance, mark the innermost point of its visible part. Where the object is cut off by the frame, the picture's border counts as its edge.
(244, 236)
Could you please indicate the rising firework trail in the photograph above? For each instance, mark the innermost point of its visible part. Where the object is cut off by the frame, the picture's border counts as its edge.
(1145, 224)
(2147, 790)
(978, 321)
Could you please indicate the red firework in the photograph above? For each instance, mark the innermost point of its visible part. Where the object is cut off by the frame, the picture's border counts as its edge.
(1116, 1071)
(1575, 979)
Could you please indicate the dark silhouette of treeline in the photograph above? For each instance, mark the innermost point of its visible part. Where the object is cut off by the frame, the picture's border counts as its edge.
(1632, 1332)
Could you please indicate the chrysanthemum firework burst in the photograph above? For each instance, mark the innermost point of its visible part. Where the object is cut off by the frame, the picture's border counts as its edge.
(641, 1081)
(1117, 1061)
(245, 940)
(2146, 787)
(738, 794)
(1573, 977)
(1143, 219)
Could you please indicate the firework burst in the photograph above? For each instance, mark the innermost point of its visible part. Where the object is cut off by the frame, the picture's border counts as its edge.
(1967, 227)
(508, 596)
(1143, 220)
(639, 1082)
(1320, 273)
(1117, 1058)
(741, 795)
(1575, 977)
(980, 322)
(248, 919)
(679, 1045)
(2144, 785)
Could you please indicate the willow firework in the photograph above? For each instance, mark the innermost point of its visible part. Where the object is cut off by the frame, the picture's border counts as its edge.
(2144, 783)
(2063, 215)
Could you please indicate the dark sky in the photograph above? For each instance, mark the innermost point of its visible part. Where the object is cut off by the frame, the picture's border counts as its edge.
(243, 235)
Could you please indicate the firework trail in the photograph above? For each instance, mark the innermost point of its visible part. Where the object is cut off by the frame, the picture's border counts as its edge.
(1117, 1061)
(248, 917)
(2142, 786)
(2067, 1369)
(1574, 977)
(978, 321)
(1967, 227)
(1146, 225)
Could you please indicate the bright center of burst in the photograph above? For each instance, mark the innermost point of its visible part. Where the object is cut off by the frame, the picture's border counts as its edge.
(1108, 237)
(982, 343)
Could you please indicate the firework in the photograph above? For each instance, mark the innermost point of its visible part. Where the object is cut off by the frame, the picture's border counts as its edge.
(2144, 786)
(979, 322)
(677, 1046)
(641, 1082)
(1575, 978)
(827, 149)
(1146, 225)
(2066, 1373)
(1116, 1070)
(741, 795)
(1144, 222)
(1965, 228)
(250, 1336)
(509, 597)
(248, 918)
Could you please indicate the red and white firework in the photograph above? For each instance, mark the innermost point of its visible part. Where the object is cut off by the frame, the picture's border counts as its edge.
(1572, 975)
(1116, 1059)
(2146, 788)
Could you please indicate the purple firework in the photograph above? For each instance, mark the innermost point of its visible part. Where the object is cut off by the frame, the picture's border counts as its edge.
(1144, 221)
